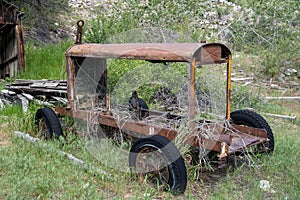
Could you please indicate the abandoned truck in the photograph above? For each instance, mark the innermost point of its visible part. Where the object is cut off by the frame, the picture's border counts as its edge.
(153, 151)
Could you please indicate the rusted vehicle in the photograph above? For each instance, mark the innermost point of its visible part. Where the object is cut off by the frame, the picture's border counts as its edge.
(153, 151)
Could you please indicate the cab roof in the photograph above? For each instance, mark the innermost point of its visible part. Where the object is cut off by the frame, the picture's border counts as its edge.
(162, 52)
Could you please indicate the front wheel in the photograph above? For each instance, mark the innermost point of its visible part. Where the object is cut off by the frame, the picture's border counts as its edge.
(47, 123)
(157, 159)
(252, 119)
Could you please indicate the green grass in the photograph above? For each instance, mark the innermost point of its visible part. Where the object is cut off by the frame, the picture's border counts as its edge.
(280, 169)
(33, 171)
(266, 29)
(45, 62)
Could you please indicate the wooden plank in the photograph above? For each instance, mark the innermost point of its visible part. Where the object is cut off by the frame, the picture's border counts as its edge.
(28, 89)
(280, 116)
(8, 60)
(39, 102)
(242, 79)
(28, 82)
(8, 55)
(61, 100)
(7, 92)
(20, 45)
(44, 85)
(282, 98)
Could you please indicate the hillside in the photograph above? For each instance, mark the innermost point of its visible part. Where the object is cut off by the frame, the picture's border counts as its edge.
(269, 30)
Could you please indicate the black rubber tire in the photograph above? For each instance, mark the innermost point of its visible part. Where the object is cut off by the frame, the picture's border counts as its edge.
(176, 167)
(52, 123)
(252, 119)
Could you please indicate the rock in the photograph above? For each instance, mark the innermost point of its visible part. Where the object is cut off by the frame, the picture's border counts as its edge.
(1, 104)
(290, 72)
(281, 77)
(89, 9)
(265, 186)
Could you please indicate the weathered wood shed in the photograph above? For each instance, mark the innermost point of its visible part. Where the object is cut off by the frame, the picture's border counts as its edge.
(12, 54)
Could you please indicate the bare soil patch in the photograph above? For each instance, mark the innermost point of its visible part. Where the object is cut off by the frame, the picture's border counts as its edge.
(4, 136)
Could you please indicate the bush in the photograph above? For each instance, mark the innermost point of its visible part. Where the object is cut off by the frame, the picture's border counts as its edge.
(41, 16)
(271, 32)
(267, 29)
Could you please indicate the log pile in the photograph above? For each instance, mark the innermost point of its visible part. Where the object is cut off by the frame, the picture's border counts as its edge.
(42, 92)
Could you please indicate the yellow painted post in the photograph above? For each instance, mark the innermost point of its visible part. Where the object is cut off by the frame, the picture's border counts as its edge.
(229, 62)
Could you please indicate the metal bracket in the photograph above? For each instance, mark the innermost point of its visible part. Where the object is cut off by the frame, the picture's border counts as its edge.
(80, 24)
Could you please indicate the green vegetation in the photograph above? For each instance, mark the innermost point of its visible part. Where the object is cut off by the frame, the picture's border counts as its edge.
(41, 17)
(272, 33)
(45, 62)
(279, 169)
(269, 30)
(35, 171)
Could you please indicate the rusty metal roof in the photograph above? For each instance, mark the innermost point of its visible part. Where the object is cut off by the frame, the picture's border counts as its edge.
(182, 52)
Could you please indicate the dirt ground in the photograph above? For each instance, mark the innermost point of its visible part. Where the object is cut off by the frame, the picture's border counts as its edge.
(4, 136)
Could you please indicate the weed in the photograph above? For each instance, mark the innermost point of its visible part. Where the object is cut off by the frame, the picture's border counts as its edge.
(45, 62)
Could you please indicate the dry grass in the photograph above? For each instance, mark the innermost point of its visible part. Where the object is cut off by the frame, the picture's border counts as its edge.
(4, 136)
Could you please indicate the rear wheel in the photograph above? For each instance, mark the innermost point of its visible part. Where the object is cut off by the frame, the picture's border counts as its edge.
(252, 119)
(158, 160)
(47, 124)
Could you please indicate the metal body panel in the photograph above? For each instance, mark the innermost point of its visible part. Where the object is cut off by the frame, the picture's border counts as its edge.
(233, 137)
(172, 52)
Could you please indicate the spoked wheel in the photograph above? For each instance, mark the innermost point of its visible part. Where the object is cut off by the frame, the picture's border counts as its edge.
(158, 161)
(252, 119)
(151, 164)
(47, 124)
